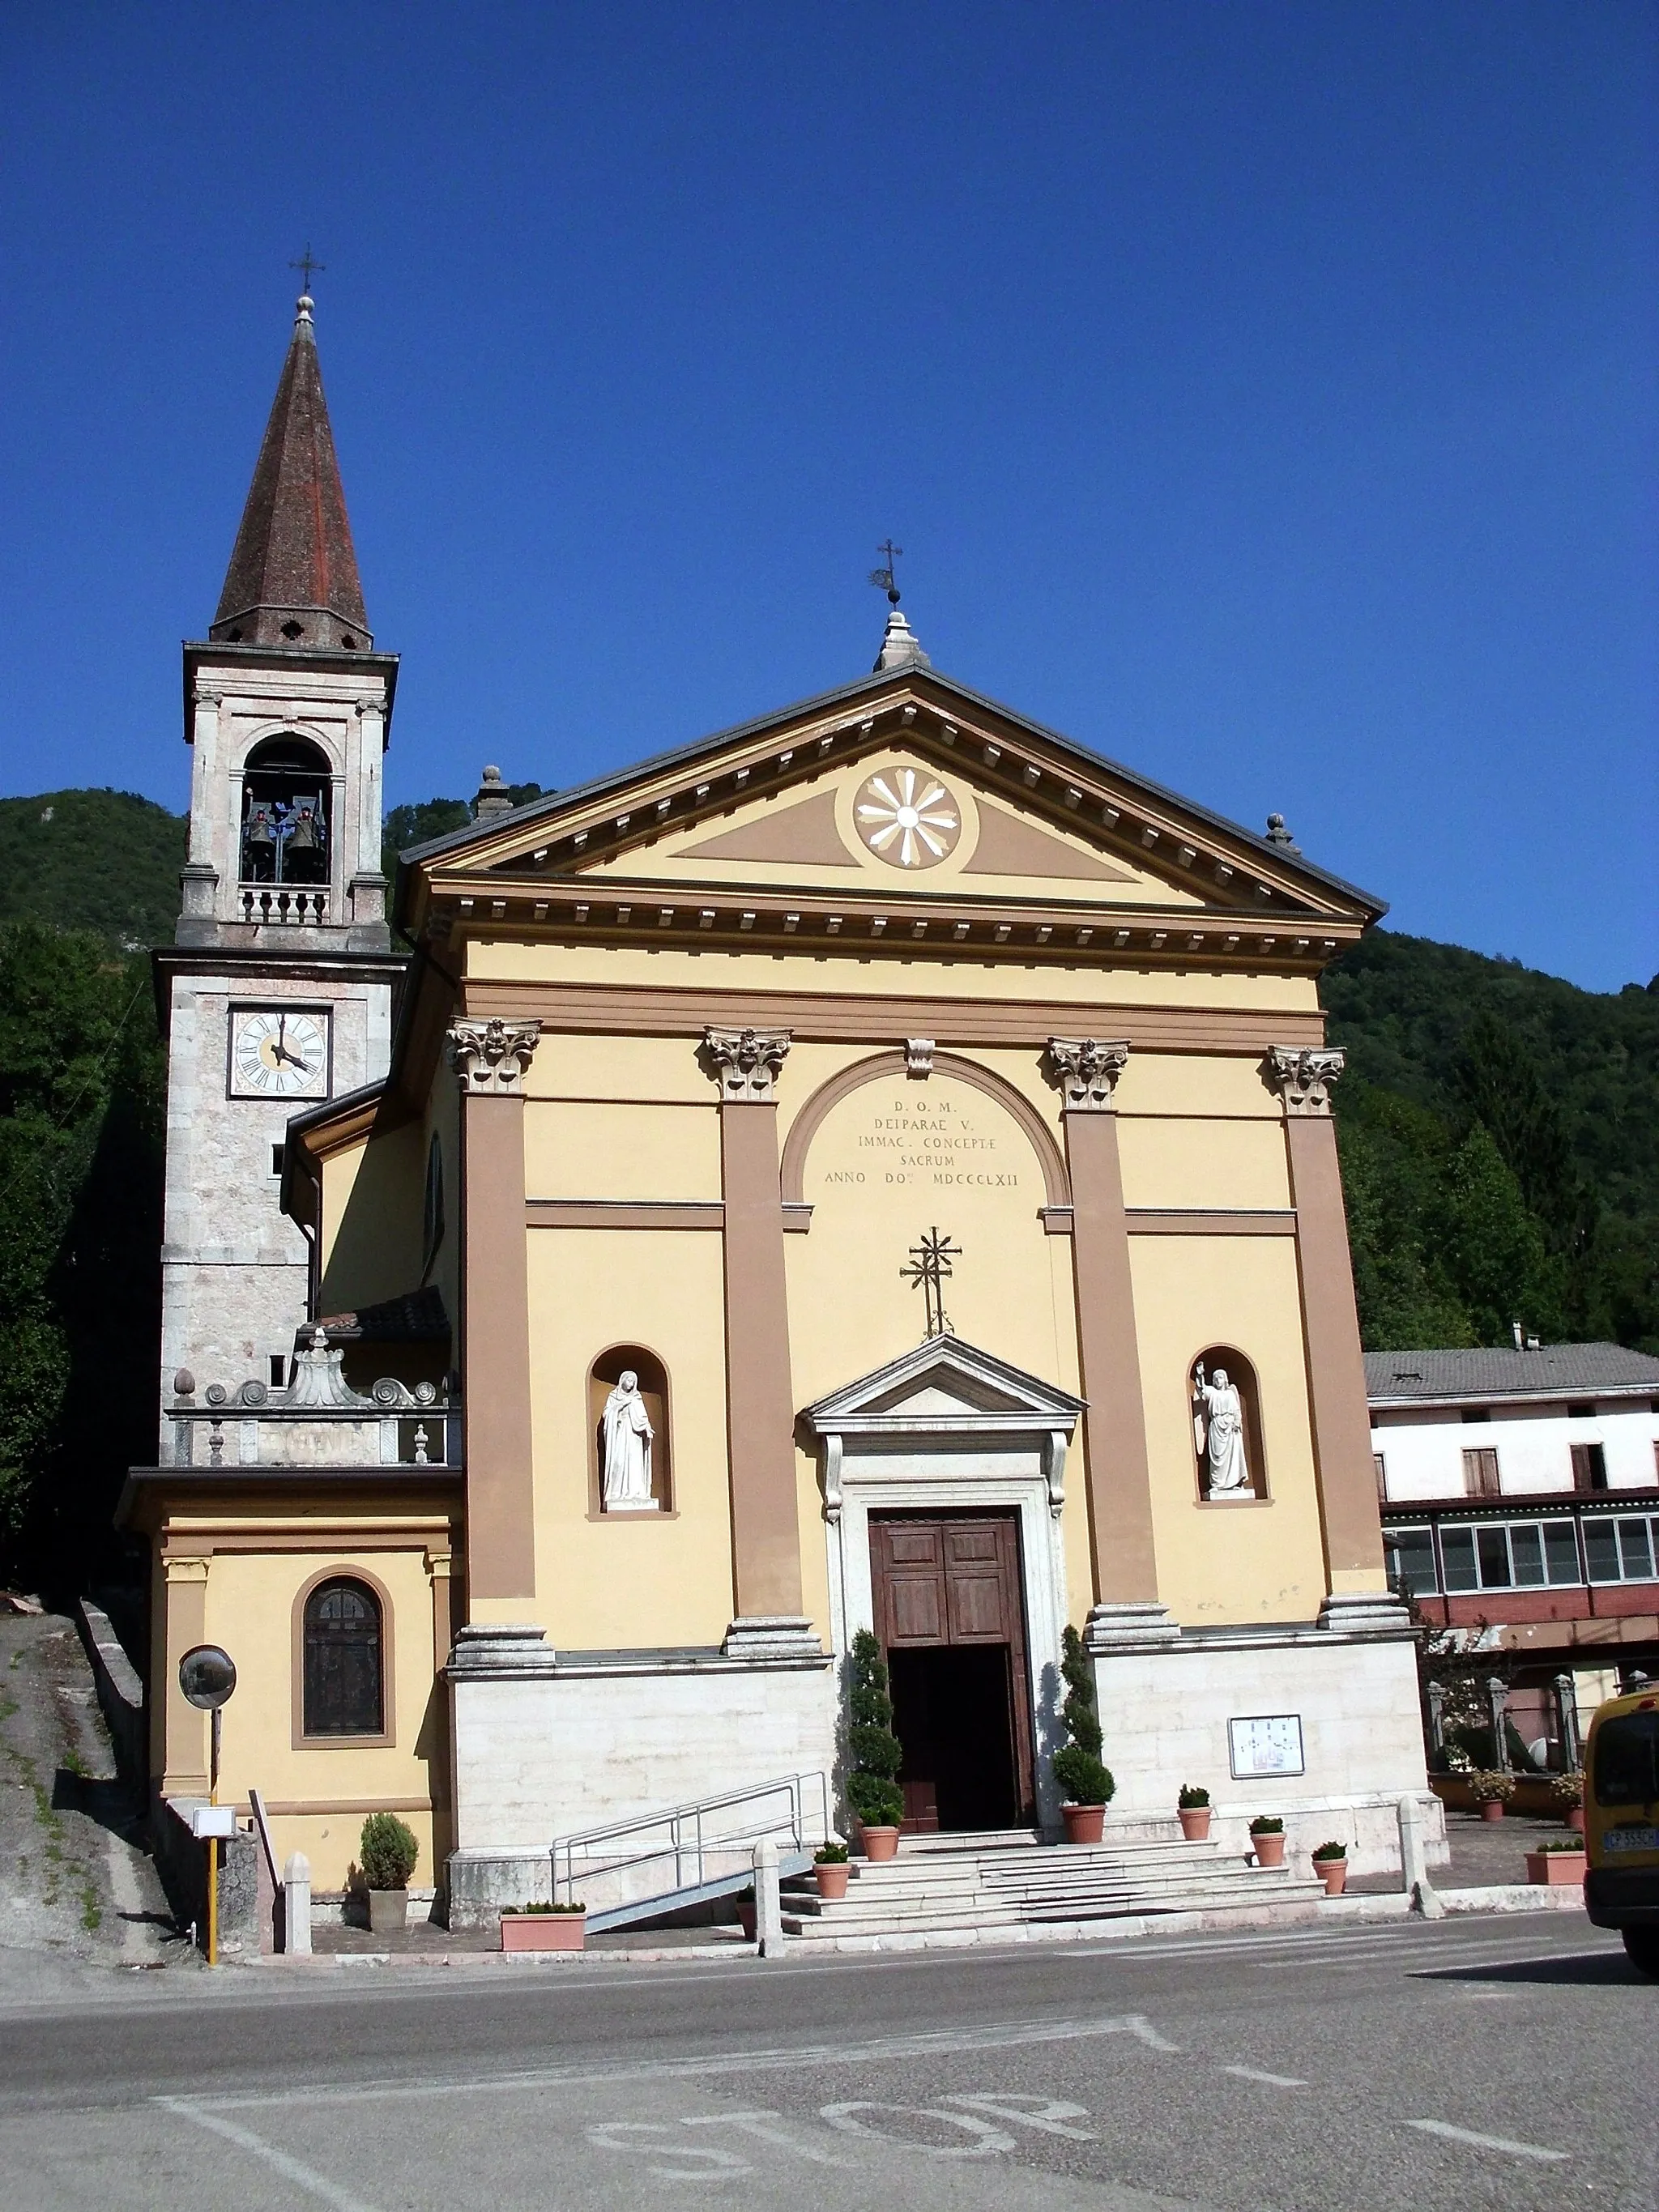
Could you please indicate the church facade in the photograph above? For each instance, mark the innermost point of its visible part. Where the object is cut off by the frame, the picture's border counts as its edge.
(872, 1168)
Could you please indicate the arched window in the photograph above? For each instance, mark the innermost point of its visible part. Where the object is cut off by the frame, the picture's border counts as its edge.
(1225, 1403)
(343, 1661)
(287, 812)
(653, 1441)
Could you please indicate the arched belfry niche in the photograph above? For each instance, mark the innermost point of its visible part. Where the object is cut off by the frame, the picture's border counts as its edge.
(880, 1156)
(287, 826)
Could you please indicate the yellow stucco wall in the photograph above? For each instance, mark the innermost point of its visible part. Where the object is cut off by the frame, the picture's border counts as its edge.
(372, 1213)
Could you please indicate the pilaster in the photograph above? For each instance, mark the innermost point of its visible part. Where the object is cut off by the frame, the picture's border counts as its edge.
(489, 1059)
(1303, 1075)
(1115, 1427)
(181, 1755)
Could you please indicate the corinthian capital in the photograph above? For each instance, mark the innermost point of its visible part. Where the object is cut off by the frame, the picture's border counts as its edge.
(490, 1058)
(745, 1062)
(1302, 1075)
(1087, 1071)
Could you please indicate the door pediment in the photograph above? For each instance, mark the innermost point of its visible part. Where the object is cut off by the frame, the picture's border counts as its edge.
(947, 1387)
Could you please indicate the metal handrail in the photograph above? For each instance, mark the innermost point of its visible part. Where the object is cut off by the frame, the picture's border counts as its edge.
(687, 1842)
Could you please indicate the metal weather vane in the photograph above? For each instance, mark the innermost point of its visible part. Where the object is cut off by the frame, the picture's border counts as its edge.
(930, 1265)
(884, 578)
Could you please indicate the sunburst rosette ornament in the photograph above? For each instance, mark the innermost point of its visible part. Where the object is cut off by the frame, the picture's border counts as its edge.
(907, 816)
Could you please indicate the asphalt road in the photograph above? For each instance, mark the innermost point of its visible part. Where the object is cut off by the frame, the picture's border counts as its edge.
(1479, 2062)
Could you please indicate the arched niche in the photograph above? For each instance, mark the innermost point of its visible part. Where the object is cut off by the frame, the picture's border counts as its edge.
(602, 1376)
(1240, 1372)
(286, 835)
(947, 1067)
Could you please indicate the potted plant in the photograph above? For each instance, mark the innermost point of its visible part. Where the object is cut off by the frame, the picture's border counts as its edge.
(1568, 1792)
(1330, 1863)
(748, 1919)
(830, 1869)
(1491, 1790)
(1087, 1784)
(1267, 1834)
(872, 1788)
(1558, 1862)
(388, 1852)
(545, 1928)
(1193, 1810)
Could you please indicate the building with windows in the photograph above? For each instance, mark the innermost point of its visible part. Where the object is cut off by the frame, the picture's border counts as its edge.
(1520, 1499)
(870, 1168)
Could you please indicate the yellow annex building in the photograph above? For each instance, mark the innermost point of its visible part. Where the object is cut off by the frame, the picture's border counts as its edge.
(555, 1377)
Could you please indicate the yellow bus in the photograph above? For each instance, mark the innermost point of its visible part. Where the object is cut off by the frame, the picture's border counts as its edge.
(1621, 1822)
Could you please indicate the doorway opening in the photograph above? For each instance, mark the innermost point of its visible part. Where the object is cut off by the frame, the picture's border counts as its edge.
(953, 1712)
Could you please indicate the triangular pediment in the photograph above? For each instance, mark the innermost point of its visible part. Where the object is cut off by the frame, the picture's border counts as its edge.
(942, 1383)
(904, 790)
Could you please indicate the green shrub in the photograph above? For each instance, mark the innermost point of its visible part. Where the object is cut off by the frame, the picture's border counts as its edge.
(1563, 1843)
(831, 1855)
(872, 1788)
(388, 1852)
(1330, 1851)
(1193, 1794)
(543, 1908)
(1078, 1767)
(1265, 1824)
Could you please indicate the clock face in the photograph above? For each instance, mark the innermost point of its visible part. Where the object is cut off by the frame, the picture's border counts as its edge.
(278, 1053)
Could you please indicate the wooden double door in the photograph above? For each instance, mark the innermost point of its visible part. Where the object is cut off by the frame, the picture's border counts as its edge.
(950, 1613)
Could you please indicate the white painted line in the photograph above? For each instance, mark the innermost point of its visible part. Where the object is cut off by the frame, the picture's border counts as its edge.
(1486, 2143)
(1011, 2035)
(292, 2169)
(1272, 2081)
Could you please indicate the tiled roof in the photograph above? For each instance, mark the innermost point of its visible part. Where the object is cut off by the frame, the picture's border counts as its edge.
(1554, 1370)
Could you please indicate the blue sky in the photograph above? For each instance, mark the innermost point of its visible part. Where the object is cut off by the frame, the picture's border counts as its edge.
(1264, 394)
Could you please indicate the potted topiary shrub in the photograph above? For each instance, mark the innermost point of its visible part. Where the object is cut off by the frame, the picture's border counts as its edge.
(1088, 1785)
(830, 1869)
(1558, 1862)
(872, 1788)
(748, 1913)
(388, 1852)
(1193, 1810)
(1568, 1792)
(1491, 1790)
(545, 1928)
(1267, 1835)
(1330, 1863)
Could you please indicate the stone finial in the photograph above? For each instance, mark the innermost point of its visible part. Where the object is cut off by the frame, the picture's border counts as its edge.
(490, 1058)
(1303, 1074)
(184, 1383)
(746, 1062)
(1279, 836)
(1087, 1071)
(492, 797)
(899, 647)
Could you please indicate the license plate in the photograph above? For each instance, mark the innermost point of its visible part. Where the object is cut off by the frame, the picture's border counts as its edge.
(1630, 1839)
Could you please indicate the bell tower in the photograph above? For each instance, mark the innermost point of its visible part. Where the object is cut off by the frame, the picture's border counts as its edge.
(277, 990)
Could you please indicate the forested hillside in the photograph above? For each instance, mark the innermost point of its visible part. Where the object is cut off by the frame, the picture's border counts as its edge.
(1500, 1132)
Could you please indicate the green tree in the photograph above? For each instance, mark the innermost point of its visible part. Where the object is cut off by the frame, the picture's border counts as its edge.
(1495, 1245)
(875, 1751)
(1078, 1767)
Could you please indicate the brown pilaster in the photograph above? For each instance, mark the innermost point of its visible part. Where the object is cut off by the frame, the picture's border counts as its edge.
(439, 1761)
(489, 1059)
(1330, 1319)
(760, 1410)
(182, 1754)
(1115, 1427)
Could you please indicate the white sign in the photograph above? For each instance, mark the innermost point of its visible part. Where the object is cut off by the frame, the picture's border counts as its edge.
(1271, 1744)
(212, 1820)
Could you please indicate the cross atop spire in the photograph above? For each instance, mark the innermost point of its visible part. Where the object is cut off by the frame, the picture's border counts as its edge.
(293, 575)
(899, 646)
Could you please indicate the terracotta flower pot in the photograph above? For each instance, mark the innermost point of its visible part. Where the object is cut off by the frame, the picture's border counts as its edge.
(1085, 1823)
(544, 1931)
(746, 1919)
(832, 1878)
(1333, 1873)
(881, 1842)
(1491, 1808)
(1574, 1819)
(1556, 1869)
(1194, 1822)
(388, 1911)
(1269, 1850)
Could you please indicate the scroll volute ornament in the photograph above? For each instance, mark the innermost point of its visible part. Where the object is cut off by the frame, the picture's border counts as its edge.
(745, 1062)
(490, 1058)
(1087, 1071)
(1303, 1074)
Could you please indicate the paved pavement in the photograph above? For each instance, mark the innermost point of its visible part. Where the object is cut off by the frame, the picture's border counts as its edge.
(1488, 2063)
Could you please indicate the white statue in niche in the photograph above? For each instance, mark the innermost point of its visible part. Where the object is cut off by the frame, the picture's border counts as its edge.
(625, 1439)
(1218, 1433)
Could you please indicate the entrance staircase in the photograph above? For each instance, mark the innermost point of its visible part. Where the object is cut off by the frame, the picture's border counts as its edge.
(1009, 1879)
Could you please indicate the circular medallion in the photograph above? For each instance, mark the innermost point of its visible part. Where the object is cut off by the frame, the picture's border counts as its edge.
(907, 816)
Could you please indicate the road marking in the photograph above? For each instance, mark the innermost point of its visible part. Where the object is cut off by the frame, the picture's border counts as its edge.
(1486, 2143)
(1009, 2035)
(292, 2169)
(1050, 2114)
(762, 2125)
(983, 2140)
(1272, 2081)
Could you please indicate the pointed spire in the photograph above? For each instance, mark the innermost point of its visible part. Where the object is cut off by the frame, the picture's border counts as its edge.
(293, 575)
(899, 646)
